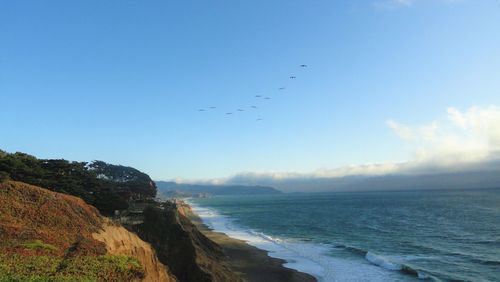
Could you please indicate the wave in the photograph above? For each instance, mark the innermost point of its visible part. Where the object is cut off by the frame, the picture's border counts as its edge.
(275, 246)
(484, 259)
(382, 262)
(326, 262)
(386, 263)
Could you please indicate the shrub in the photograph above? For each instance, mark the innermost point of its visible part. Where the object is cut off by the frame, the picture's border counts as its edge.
(38, 244)
(57, 269)
(4, 176)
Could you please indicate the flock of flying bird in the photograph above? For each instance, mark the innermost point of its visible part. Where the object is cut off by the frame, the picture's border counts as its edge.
(256, 96)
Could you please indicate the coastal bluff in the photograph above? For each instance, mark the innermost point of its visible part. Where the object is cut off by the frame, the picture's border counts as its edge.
(120, 241)
(190, 255)
(54, 236)
(93, 221)
(49, 236)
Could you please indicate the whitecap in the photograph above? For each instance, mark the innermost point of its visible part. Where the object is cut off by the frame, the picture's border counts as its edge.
(323, 261)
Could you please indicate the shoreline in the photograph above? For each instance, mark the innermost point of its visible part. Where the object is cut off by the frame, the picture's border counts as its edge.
(251, 263)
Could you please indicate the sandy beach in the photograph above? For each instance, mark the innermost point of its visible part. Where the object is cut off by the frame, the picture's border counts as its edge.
(253, 264)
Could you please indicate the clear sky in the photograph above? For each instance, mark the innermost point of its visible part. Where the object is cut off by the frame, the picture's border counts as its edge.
(122, 81)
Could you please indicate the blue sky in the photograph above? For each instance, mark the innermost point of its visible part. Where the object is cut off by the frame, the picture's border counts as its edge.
(121, 81)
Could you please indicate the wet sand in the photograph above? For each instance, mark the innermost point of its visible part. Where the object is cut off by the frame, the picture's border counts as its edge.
(251, 263)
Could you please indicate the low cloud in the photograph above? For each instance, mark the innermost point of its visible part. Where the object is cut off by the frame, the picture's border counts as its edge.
(461, 141)
(466, 136)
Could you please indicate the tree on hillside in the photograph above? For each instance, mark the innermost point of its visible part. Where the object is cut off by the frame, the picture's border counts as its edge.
(128, 179)
(108, 187)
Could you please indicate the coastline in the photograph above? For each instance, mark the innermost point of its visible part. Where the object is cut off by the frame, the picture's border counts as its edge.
(251, 263)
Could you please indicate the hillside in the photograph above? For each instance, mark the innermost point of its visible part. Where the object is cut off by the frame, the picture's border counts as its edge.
(172, 188)
(49, 236)
(56, 234)
(106, 186)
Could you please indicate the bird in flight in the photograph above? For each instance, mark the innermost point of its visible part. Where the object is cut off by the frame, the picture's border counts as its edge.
(201, 110)
(229, 113)
(293, 77)
(240, 110)
(303, 66)
(213, 107)
(257, 96)
(254, 107)
(267, 98)
(281, 88)
(259, 119)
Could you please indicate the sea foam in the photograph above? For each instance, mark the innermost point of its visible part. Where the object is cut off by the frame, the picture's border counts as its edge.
(319, 260)
(382, 262)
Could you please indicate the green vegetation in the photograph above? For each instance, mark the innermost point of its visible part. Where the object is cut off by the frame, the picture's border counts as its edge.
(103, 185)
(4, 176)
(38, 244)
(57, 269)
(47, 236)
(31, 218)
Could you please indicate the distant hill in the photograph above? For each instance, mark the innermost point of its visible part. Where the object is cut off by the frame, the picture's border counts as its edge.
(168, 188)
(394, 182)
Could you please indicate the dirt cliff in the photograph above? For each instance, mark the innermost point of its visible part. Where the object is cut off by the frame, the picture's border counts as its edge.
(190, 255)
(56, 237)
(120, 241)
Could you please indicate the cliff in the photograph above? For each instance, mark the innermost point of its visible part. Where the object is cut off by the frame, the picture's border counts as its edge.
(191, 256)
(120, 241)
(50, 236)
(59, 233)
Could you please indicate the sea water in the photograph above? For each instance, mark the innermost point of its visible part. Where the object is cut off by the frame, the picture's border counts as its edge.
(369, 236)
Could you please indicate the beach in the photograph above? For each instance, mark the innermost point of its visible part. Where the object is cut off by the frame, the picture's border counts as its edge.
(251, 263)
(368, 236)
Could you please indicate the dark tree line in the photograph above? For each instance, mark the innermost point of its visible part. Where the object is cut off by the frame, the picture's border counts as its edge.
(105, 186)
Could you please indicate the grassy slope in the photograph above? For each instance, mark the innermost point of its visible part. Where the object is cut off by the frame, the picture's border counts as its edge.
(47, 236)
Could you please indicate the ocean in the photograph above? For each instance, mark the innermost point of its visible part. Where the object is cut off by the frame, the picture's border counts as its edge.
(369, 236)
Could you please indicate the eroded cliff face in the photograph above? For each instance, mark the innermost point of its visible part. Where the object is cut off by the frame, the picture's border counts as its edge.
(46, 235)
(120, 241)
(190, 255)
(66, 236)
